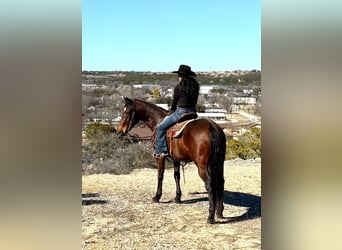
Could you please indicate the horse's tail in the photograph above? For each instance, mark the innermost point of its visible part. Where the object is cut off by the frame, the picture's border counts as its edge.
(216, 165)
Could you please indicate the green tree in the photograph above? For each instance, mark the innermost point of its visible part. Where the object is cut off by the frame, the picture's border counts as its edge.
(156, 93)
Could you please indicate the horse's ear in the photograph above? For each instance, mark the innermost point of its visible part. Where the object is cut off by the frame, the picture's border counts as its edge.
(127, 100)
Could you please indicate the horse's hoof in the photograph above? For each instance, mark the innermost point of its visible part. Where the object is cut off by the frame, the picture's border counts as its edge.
(155, 199)
(220, 216)
(178, 200)
(211, 221)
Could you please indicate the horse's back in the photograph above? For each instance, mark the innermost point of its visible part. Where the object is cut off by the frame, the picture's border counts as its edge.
(196, 128)
(205, 133)
(196, 140)
(201, 125)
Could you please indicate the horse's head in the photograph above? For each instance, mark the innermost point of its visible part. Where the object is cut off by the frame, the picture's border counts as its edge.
(129, 117)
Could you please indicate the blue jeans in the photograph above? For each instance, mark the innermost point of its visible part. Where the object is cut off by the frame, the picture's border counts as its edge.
(165, 124)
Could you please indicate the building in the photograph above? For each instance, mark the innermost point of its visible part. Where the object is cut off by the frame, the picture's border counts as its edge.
(213, 116)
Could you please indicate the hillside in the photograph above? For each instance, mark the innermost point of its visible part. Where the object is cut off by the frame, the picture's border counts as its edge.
(118, 212)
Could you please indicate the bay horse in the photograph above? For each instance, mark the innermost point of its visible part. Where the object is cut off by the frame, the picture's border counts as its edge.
(202, 141)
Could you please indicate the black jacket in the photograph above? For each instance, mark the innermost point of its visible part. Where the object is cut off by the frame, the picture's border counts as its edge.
(183, 99)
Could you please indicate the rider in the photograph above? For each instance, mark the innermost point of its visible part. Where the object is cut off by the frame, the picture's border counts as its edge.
(184, 100)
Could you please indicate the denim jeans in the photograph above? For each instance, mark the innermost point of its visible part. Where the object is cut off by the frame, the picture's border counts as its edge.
(165, 124)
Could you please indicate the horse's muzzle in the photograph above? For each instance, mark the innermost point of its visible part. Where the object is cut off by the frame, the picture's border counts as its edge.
(122, 130)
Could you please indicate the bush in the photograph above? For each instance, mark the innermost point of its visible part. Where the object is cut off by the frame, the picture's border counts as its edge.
(252, 138)
(248, 147)
(94, 128)
(108, 152)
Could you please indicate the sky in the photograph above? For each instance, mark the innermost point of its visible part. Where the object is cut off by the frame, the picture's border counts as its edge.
(158, 36)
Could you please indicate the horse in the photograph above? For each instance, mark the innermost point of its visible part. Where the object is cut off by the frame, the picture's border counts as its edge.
(202, 141)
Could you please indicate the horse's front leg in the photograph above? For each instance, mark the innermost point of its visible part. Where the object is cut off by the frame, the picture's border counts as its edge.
(176, 165)
(161, 168)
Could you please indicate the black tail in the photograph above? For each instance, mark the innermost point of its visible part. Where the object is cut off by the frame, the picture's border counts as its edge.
(216, 166)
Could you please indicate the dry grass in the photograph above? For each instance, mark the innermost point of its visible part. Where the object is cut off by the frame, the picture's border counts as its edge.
(118, 212)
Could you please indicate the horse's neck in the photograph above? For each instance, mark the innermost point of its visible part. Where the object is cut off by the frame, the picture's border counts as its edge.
(151, 116)
(154, 119)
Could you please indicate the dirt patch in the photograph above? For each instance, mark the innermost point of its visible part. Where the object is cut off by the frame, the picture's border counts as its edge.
(118, 212)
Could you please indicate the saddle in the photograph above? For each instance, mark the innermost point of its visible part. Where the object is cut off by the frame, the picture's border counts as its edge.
(176, 130)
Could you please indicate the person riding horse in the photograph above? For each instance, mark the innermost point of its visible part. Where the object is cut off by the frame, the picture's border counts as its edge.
(202, 141)
(185, 96)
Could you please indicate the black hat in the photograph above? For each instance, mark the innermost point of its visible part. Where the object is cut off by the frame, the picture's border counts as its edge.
(185, 70)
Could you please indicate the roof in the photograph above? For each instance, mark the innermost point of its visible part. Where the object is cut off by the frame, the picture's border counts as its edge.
(141, 132)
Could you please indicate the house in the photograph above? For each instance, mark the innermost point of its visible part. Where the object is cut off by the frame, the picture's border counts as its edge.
(144, 133)
(213, 116)
(205, 89)
(163, 105)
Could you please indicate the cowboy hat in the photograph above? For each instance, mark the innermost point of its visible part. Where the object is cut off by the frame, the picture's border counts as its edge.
(185, 70)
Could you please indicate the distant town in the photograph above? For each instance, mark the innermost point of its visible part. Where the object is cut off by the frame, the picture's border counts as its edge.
(230, 98)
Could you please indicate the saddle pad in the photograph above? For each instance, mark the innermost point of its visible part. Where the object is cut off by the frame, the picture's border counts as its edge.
(176, 130)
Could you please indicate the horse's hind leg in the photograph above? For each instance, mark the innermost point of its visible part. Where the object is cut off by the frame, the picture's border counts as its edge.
(211, 196)
(219, 189)
(176, 165)
(161, 168)
(207, 180)
(219, 205)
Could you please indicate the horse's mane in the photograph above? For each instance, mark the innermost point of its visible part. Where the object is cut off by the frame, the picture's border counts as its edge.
(150, 105)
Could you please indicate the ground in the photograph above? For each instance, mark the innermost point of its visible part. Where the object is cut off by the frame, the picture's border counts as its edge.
(118, 212)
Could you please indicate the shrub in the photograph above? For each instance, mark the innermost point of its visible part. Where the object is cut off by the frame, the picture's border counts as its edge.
(108, 152)
(248, 147)
(94, 128)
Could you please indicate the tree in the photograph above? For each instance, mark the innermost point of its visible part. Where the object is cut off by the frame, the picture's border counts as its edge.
(200, 108)
(156, 92)
(225, 101)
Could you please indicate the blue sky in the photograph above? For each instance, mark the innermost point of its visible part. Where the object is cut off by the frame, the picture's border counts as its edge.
(156, 35)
